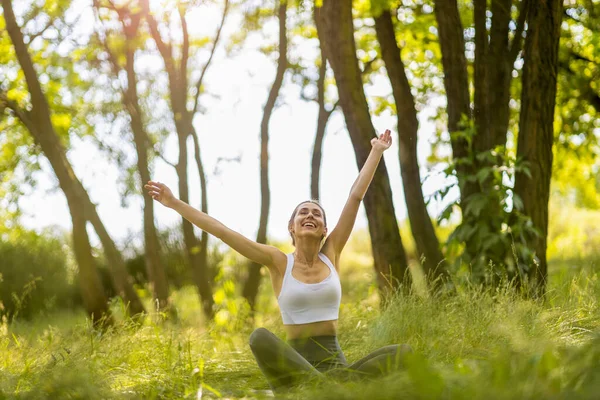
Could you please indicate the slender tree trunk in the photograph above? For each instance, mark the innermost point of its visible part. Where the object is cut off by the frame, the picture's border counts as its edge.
(427, 242)
(203, 199)
(481, 109)
(193, 249)
(499, 74)
(317, 155)
(336, 33)
(183, 118)
(536, 133)
(250, 290)
(56, 154)
(90, 285)
(322, 119)
(155, 269)
(456, 77)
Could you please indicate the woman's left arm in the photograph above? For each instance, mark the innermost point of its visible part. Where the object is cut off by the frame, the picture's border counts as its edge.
(340, 234)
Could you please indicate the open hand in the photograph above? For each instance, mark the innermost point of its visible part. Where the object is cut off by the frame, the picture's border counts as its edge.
(160, 192)
(383, 142)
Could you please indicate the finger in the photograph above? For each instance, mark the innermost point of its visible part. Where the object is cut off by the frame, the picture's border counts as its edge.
(157, 184)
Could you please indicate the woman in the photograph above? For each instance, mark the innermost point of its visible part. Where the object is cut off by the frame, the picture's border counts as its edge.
(306, 283)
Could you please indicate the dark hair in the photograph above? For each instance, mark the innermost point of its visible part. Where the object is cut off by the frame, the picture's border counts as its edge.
(291, 222)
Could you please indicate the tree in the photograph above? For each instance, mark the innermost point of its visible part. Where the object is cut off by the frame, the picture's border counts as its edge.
(177, 70)
(536, 132)
(129, 20)
(479, 136)
(251, 285)
(428, 246)
(38, 121)
(335, 30)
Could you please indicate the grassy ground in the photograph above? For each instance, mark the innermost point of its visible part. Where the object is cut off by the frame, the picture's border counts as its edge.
(473, 345)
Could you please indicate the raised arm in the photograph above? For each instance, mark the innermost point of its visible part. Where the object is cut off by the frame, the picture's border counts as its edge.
(340, 234)
(266, 255)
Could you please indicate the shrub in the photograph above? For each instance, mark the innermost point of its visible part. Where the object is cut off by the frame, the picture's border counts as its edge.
(33, 275)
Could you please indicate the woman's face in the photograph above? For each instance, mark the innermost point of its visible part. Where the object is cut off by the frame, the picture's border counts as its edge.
(309, 222)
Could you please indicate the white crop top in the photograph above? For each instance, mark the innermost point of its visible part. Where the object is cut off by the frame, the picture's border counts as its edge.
(303, 303)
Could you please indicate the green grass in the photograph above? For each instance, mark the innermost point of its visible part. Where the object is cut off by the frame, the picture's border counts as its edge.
(472, 345)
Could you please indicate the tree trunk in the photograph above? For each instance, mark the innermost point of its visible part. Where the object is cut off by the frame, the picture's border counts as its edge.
(90, 284)
(250, 290)
(56, 154)
(203, 201)
(183, 118)
(536, 133)
(336, 33)
(456, 77)
(481, 109)
(155, 269)
(499, 73)
(322, 119)
(196, 259)
(428, 246)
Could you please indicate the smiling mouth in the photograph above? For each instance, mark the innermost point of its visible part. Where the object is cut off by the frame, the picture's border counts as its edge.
(309, 225)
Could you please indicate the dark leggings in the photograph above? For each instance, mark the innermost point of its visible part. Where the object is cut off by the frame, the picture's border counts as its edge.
(316, 358)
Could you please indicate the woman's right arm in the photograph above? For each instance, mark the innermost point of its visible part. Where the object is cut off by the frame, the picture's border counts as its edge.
(266, 255)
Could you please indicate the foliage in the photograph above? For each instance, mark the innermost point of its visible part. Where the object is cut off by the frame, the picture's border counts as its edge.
(34, 275)
(577, 152)
(485, 209)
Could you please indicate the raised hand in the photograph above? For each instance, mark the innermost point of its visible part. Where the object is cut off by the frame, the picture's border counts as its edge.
(383, 142)
(161, 193)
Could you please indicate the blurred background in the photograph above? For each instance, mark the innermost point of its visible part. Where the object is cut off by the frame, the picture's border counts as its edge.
(492, 176)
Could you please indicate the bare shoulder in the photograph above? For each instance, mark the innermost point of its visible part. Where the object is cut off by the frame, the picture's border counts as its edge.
(279, 260)
(330, 253)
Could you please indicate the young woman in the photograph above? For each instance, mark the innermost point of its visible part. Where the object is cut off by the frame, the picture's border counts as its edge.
(306, 283)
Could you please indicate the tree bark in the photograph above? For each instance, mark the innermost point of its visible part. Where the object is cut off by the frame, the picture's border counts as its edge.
(322, 119)
(90, 284)
(203, 199)
(536, 133)
(428, 246)
(252, 283)
(46, 136)
(155, 269)
(480, 112)
(456, 77)
(183, 118)
(336, 33)
(499, 74)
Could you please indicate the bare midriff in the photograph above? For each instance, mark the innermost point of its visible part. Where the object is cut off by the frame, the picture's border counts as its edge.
(321, 328)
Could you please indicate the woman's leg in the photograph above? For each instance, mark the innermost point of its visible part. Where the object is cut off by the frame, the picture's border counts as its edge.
(280, 363)
(382, 361)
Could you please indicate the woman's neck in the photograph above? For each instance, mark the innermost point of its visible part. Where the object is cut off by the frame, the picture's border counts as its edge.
(307, 252)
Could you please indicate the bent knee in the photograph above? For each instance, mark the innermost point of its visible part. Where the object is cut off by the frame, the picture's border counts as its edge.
(258, 337)
(404, 348)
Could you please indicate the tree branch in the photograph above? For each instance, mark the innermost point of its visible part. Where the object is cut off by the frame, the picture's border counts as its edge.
(517, 42)
(185, 49)
(157, 154)
(31, 38)
(212, 52)
(164, 49)
(21, 114)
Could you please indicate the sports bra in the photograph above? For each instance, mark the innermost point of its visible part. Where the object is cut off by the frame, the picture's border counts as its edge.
(303, 303)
